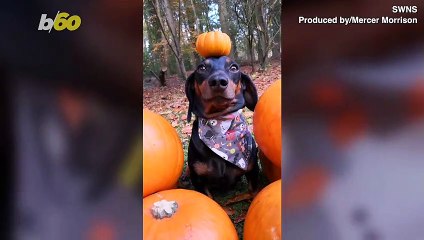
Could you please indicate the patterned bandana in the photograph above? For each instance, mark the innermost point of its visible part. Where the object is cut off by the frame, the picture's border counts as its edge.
(228, 137)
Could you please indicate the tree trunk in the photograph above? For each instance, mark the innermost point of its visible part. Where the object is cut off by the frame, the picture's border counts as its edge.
(276, 49)
(225, 25)
(182, 68)
(251, 50)
(249, 15)
(208, 23)
(233, 33)
(152, 36)
(261, 54)
(164, 59)
(196, 19)
(252, 56)
(263, 35)
(187, 27)
(223, 16)
(171, 24)
(193, 25)
(162, 74)
(175, 45)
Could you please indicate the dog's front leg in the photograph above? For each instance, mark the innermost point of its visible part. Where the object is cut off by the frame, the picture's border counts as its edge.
(253, 176)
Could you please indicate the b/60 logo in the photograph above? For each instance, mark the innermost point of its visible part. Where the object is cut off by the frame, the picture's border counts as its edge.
(61, 22)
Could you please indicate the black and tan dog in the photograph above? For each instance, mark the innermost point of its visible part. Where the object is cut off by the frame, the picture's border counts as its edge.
(221, 148)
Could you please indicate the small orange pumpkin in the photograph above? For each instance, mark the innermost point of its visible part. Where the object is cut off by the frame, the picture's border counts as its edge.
(185, 214)
(263, 219)
(267, 123)
(213, 44)
(163, 156)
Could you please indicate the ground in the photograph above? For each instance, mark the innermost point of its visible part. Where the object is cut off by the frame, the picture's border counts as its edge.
(172, 104)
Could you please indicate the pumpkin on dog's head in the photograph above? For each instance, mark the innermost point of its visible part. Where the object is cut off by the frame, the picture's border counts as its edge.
(213, 44)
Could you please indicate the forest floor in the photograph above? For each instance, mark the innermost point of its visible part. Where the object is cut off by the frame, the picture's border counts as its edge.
(171, 103)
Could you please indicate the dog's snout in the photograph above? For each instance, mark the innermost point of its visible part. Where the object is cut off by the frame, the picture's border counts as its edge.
(223, 82)
(218, 83)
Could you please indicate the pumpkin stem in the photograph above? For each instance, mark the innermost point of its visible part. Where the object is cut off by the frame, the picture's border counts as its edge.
(163, 208)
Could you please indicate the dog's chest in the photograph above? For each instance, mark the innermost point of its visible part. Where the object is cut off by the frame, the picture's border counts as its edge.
(228, 137)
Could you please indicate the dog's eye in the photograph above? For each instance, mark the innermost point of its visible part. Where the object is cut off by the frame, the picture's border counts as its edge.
(234, 68)
(202, 68)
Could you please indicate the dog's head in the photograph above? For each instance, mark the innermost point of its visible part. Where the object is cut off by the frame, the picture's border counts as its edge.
(217, 87)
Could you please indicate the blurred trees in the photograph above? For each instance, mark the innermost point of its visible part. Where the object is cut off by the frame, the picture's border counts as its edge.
(170, 29)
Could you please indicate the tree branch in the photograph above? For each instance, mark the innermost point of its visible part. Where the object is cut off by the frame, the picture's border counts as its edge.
(171, 27)
(157, 11)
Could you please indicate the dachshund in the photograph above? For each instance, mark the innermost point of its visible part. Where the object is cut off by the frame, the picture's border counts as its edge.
(221, 148)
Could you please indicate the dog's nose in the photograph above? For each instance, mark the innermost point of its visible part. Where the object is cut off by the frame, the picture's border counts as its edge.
(220, 83)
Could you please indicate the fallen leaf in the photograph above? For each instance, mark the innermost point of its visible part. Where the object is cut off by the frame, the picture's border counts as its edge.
(240, 218)
(165, 113)
(230, 211)
(186, 129)
(174, 123)
(238, 198)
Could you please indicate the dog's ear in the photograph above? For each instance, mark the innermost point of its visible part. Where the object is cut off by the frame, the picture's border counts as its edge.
(190, 93)
(249, 92)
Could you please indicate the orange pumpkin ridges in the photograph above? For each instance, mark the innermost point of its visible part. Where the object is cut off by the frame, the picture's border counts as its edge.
(263, 219)
(200, 43)
(267, 123)
(185, 214)
(163, 156)
(213, 44)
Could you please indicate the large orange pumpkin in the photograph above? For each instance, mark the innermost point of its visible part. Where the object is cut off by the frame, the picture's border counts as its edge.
(267, 123)
(163, 156)
(185, 214)
(263, 219)
(213, 44)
